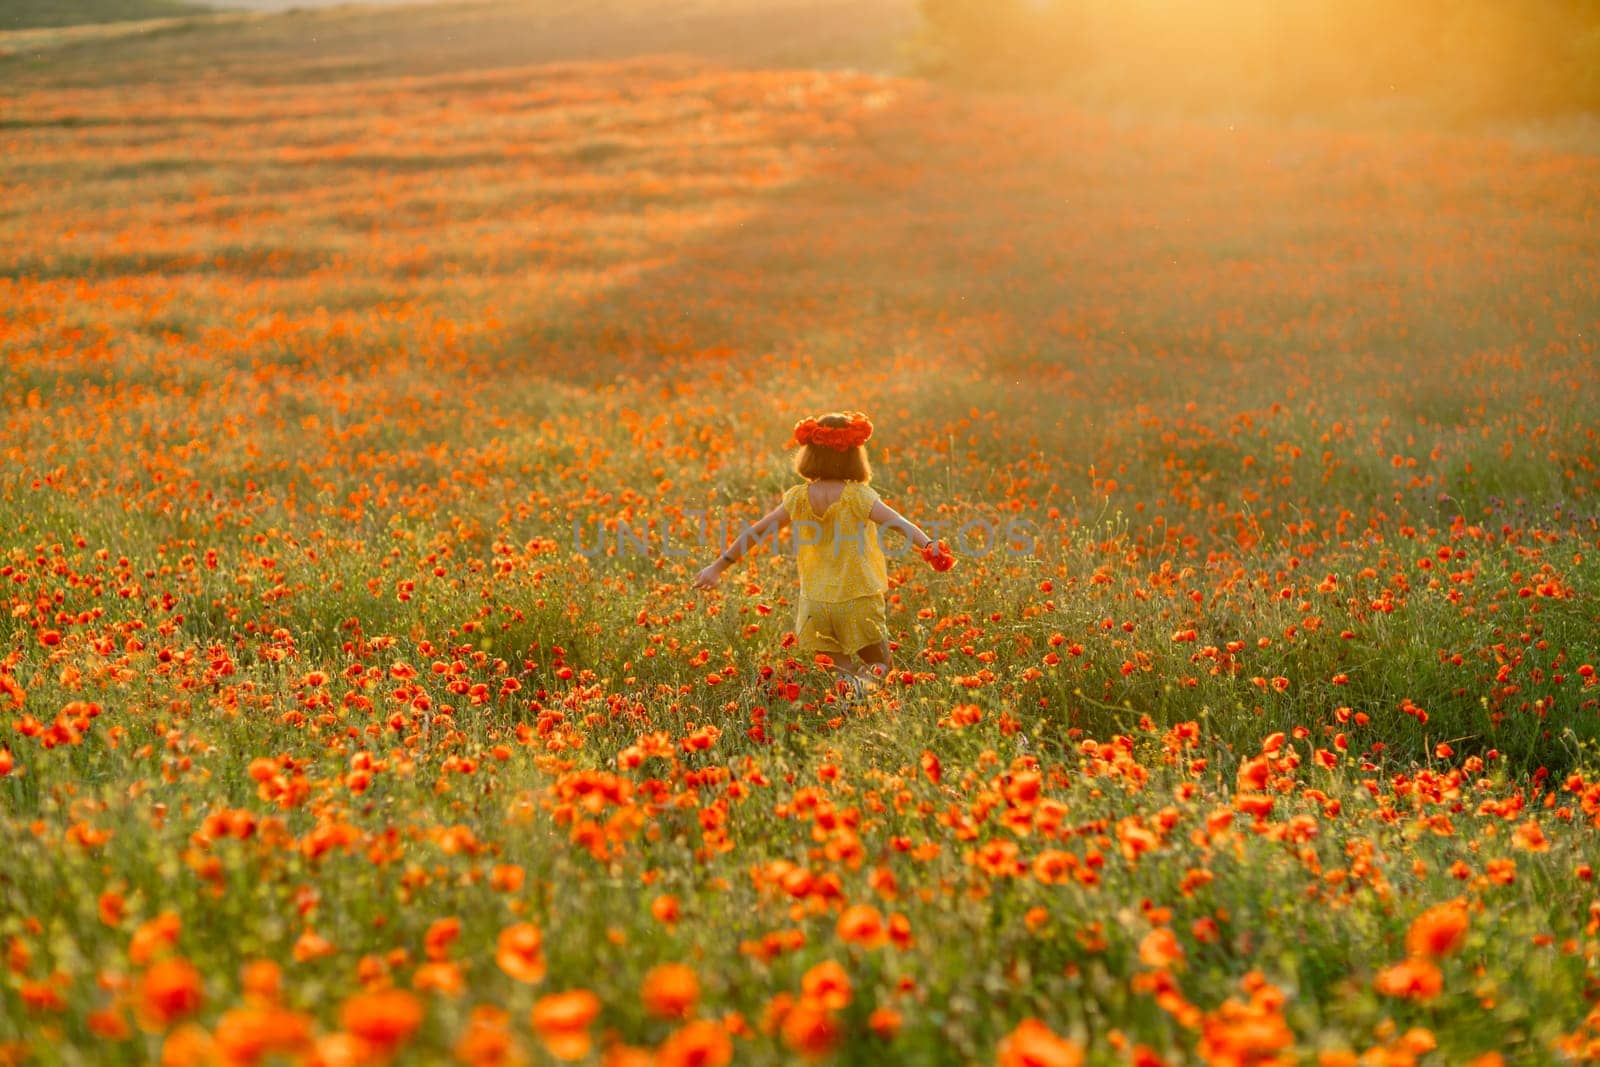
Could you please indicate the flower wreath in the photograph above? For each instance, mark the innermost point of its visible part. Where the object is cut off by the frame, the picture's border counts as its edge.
(810, 431)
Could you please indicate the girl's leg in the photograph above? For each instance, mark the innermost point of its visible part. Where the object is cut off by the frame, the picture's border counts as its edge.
(875, 653)
(875, 660)
(843, 664)
(815, 625)
(848, 681)
(867, 624)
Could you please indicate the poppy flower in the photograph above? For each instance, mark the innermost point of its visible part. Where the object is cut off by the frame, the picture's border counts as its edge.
(109, 1024)
(937, 555)
(671, 991)
(436, 942)
(666, 909)
(520, 953)
(1033, 1044)
(696, 1044)
(440, 976)
(562, 1022)
(827, 984)
(188, 1045)
(153, 937)
(862, 924)
(384, 1018)
(168, 991)
(1439, 930)
(1415, 978)
(112, 908)
(1160, 949)
(249, 1034)
(1530, 837)
(810, 1030)
(488, 1041)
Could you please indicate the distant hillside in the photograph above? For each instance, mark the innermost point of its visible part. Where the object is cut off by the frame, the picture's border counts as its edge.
(31, 14)
(285, 5)
(332, 43)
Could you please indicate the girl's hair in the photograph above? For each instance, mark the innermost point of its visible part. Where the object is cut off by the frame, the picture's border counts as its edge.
(819, 462)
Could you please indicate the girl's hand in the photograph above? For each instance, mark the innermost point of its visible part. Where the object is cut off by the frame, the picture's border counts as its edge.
(938, 555)
(708, 577)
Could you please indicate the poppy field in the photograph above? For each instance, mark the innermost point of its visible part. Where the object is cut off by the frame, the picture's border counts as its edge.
(369, 412)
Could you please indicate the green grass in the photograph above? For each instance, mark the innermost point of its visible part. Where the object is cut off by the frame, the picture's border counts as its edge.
(269, 525)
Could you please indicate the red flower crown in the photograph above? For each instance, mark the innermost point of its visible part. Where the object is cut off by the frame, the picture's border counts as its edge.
(810, 431)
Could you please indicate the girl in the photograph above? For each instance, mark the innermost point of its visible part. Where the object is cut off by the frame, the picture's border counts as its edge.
(837, 519)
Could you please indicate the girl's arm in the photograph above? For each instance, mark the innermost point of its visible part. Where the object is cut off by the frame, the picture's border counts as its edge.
(937, 555)
(776, 519)
(884, 515)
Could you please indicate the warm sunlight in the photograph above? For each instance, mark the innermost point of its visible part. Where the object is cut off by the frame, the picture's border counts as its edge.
(1286, 55)
(681, 533)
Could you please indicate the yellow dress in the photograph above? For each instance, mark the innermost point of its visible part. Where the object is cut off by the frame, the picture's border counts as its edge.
(843, 575)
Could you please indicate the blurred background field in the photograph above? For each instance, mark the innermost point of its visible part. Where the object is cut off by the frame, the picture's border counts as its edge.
(1409, 61)
(336, 340)
(1459, 59)
(28, 14)
(325, 41)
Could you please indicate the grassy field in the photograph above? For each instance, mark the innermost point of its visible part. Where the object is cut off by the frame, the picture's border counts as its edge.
(345, 722)
(356, 42)
(30, 14)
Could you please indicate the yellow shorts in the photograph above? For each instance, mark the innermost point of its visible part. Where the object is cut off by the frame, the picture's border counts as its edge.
(841, 629)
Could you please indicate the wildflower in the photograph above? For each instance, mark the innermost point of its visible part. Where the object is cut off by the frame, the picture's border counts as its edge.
(436, 942)
(827, 984)
(508, 877)
(696, 1044)
(1530, 837)
(154, 937)
(384, 1019)
(261, 981)
(1415, 978)
(440, 976)
(42, 997)
(249, 1034)
(666, 910)
(1033, 1044)
(810, 1030)
(671, 991)
(112, 908)
(885, 1023)
(1438, 931)
(188, 1046)
(520, 953)
(169, 990)
(1160, 949)
(1249, 1032)
(311, 945)
(488, 1041)
(340, 1049)
(562, 1022)
(937, 555)
(862, 924)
